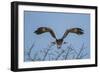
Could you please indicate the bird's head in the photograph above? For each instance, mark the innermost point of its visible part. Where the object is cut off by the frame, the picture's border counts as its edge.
(59, 43)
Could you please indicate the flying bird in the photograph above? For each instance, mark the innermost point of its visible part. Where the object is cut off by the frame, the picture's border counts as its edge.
(60, 41)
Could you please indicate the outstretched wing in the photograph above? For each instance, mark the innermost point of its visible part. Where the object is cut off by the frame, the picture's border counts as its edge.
(42, 30)
(77, 31)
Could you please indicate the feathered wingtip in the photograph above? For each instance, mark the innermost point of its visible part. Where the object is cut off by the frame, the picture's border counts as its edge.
(39, 31)
(35, 32)
(80, 31)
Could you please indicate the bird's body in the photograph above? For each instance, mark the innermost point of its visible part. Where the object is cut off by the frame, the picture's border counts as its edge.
(60, 41)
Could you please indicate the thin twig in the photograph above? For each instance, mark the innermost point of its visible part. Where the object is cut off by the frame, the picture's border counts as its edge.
(46, 53)
(35, 56)
(80, 52)
(82, 56)
(69, 50)
(29, 53)
(59, 55)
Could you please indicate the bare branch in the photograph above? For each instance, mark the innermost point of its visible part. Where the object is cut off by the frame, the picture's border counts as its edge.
(50, 54)
(29, 53)
(59, 55)
(82, 56)
(80, 52)
(69, 50)
(46, 53)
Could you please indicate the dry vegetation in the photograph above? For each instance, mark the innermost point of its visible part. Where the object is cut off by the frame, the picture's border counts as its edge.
(49, 54)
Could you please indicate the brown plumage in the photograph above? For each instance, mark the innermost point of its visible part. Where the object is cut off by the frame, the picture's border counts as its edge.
(58, 42)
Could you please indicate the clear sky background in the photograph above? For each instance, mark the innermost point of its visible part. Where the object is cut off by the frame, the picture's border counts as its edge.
(59, 22)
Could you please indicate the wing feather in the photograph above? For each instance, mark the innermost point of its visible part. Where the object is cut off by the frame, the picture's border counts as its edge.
(77, 31)
(42, 30)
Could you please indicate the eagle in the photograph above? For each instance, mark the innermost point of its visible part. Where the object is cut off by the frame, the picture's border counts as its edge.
(60, 41)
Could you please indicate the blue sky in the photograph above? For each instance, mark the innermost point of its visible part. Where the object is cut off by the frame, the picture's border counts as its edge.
(59, 22)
